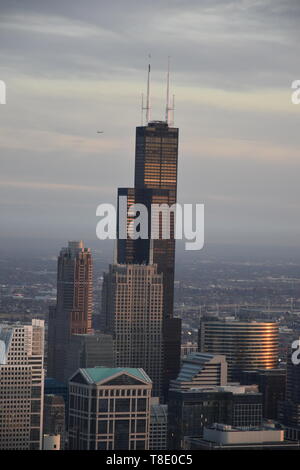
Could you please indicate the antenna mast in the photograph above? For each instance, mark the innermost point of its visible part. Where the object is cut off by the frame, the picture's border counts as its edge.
(142, 110)
(169, 108)
(148, 106)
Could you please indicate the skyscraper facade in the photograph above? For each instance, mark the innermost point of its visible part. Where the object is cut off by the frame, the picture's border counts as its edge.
(133, 304)
(158, 426)
(109, 409)
(155, 182)
(289, 408)
(54, 417)
(201, 370)
(73, 311)
(271, 383)
(156, 162)
(89, 350)
(190, 410)
(247, 345)
(21, 386)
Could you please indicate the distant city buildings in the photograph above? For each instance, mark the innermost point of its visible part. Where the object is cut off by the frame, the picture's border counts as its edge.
(21, 386)
(187, 348)
(109, 409)
(73, 311)
(133, 307)
(247, 345)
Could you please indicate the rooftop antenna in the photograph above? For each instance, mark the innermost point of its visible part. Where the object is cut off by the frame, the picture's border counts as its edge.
(142, 110)
(168, 93)
(169, 118)
(147, 108)
(173, 111)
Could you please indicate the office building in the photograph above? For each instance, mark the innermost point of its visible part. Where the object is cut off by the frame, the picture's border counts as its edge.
(289, 408)
(88, 350)
(73, 311)
(271, 384)
(201, 370)
(133, 304)
(247, 345)
(21, 386)
(156, 161)
(190, 410)
(226, 437)
(155, 182)
(188, 348)
(109, 409)
(158, 439)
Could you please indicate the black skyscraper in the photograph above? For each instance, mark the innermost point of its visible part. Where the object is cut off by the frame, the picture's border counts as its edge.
(156, 158)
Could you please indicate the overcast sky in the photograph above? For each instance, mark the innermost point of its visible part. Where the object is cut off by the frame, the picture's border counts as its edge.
(73, 67)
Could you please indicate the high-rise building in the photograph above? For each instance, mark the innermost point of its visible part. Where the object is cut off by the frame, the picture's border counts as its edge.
(190, 410)
(109, 409)
(54, 417)
(156, 161)
(271, 383)
(155, 182)
(289, 408)
(133, 305)
(247, 345)
(89, 350)
(201, 370)
(73, 311)
(158, 439)
(21, 386)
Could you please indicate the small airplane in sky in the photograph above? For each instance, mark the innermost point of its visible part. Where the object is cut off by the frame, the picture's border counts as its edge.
(100, 132)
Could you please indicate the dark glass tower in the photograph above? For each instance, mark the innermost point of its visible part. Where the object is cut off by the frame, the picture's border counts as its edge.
(155, 182)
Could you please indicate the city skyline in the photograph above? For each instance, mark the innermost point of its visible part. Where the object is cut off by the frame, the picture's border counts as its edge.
(171, 121)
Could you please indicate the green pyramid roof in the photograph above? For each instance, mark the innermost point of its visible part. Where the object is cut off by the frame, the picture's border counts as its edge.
(98, 374)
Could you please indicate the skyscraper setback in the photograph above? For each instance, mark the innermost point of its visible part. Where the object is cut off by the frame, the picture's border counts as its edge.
(156, 161)
(73, 311)
(155, 182)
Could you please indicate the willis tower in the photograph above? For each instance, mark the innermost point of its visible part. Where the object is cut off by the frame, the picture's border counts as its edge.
(155, 182)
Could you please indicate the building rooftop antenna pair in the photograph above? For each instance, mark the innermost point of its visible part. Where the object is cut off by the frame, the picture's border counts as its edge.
(170, 108)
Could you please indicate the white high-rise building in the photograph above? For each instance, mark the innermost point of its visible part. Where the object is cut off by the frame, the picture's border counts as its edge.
(21, 386)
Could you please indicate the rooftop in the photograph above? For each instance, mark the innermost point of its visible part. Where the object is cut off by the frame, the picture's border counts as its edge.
(97, 374)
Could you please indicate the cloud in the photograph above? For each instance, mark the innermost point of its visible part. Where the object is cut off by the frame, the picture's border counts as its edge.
(73, 70)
